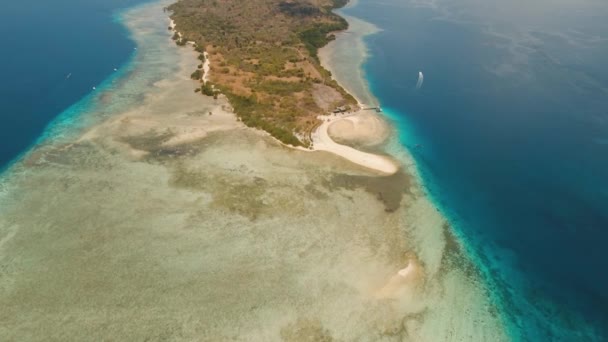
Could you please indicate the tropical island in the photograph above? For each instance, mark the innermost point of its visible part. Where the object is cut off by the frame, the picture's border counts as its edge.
(263, 57)
(151, 213)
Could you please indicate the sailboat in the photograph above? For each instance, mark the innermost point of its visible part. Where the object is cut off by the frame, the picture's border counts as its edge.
(420, 80)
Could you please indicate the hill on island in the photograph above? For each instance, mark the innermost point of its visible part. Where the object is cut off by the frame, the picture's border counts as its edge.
(263, 57)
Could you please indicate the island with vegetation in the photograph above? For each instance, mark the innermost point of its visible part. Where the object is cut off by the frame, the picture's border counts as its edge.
(263, 58)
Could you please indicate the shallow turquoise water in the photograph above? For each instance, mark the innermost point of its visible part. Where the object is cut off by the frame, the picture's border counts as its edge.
(511, 129)
(48, 66)
(509, 134)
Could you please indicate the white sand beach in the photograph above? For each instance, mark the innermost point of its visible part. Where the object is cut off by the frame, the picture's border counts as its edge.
(356, 126)
(364, 128)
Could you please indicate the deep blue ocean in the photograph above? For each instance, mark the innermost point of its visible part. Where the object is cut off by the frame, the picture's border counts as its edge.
(43, 43)
(511, 124)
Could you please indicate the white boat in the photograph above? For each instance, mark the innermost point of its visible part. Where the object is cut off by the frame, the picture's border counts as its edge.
(420, 80)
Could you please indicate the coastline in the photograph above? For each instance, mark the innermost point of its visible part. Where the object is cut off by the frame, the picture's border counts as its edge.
(359, 125)
(321, 139)
(447, 180)
(362, 127)
(496, 265)
(342, 48)
(143, 213)
(332, 58)
(197, 216)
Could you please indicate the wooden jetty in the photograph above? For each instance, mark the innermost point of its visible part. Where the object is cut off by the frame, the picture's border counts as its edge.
(377, 109)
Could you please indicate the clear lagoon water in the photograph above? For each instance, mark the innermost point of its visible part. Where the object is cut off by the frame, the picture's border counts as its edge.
(509, 131)
(54, 53)
(163, 232)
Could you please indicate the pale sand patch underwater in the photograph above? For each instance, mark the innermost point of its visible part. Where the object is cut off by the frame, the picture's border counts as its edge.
(345, 57)
(166, 223)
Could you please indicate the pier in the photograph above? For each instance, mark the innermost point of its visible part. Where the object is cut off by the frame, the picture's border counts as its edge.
(377, 109)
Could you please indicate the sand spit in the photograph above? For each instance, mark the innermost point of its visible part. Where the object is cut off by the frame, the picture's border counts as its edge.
(355, 127)
(344, 58)
(167, 223)
(364, 128)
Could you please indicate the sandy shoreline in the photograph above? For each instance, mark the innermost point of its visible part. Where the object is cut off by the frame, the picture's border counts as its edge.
(322, 141)
(353, 127)
(195, 119)
(359, 127)
(206, 67)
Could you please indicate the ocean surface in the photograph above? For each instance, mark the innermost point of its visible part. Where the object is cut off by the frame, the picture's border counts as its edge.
(509, 130)
(54, 53)
(208, 230)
